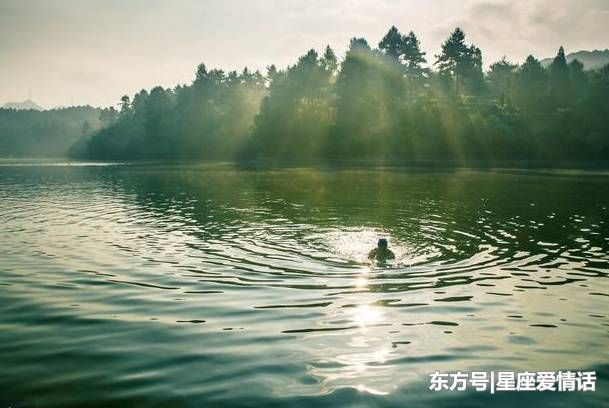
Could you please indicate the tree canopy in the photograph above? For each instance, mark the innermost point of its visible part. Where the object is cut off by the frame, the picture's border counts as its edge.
(382, 103)
(50, 133)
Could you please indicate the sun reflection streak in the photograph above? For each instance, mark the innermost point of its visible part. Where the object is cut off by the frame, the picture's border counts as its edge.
(381, 355)
(361, 282)
(366, 315)
(363, 388)
(363, 359)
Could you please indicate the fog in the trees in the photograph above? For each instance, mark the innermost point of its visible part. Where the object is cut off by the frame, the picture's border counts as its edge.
(379, 103)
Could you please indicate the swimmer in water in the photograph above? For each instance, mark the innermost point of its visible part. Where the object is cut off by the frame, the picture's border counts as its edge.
(381, 253)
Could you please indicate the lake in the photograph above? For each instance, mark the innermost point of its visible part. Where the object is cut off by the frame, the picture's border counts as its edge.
(186, 285)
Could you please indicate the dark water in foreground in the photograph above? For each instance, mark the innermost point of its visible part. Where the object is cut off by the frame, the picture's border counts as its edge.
(192, 285)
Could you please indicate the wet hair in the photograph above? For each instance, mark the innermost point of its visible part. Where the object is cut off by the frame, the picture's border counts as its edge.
(382, 243)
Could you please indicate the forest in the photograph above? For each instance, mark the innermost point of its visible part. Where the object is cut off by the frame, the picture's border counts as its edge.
(50, 133)
(390, 103)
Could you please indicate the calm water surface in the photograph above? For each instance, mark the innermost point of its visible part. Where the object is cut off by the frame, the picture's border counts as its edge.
(208, 285)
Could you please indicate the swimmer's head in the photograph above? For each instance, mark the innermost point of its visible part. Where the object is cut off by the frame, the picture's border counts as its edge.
(382, 243)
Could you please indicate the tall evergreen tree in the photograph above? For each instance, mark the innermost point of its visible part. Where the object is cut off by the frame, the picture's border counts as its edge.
(329, 62)
(578, 79)
(530, 86)
(125, 105)
(391, 44)
(500, 77)
(413, 56)
(560, 79)
(459, 61)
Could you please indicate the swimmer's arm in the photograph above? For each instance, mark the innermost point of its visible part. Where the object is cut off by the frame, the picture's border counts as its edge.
(372, 254)
(391, 255)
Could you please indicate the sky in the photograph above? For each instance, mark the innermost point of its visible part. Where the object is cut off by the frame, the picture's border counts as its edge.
(76, 52)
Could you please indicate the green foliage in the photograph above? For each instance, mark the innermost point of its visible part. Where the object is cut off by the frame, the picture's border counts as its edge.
(413, 56)
(461, 62)
(209, 119)
(295, 115)
(531, 86)
(377, 104)
(391, 44)
(50, 133)
(500, 78)
(560, 78)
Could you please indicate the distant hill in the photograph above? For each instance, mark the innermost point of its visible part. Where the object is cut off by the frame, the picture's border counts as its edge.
(47, 133)
(25, 105)
(591, 59)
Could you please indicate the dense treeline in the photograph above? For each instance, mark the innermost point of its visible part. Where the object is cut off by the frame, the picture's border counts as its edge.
(378, 103)
(32, 133)
(209, 119)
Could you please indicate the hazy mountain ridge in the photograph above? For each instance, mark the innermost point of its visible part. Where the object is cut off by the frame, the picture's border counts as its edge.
(45, 133)
(28, 104)
(591, 59)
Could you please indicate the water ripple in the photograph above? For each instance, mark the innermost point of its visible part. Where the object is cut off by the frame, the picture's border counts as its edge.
(195, 281)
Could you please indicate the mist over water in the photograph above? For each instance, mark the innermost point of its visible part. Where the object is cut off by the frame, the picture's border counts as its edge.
(197, 285)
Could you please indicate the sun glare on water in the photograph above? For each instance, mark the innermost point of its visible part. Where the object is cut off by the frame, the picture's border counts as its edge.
(366, 315)
(355, 244)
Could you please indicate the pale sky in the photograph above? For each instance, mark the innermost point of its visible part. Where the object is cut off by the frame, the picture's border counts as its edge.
(93, 51)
